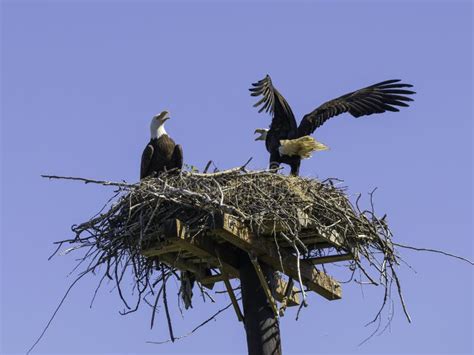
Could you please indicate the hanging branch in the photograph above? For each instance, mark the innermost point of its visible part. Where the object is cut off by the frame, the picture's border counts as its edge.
(165, 301)
(55, 312)
(195, 328)
(434, 251)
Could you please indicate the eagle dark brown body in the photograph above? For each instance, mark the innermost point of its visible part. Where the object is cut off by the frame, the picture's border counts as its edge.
(161, 154)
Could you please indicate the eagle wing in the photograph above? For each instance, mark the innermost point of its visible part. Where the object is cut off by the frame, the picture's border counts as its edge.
(177, 157)
(377, 98)
(146, 161)
(273, 102)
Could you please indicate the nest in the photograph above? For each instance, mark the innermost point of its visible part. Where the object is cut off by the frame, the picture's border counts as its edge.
(263, 200)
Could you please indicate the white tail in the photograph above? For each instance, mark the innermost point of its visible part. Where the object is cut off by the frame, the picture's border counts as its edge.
(302, 146)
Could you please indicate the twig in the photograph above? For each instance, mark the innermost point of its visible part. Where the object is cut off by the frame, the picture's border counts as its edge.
(196, 328)
(165, 301)
(402, 301)
(88, 181)
(207, 166)
(55, 312)
(224, 172)
(434, 251)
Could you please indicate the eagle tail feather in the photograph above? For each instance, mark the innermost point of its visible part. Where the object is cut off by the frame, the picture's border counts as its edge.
(303, 146)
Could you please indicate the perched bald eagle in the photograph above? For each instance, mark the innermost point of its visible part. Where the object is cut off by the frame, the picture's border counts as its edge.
(288, 143)
(161, 153)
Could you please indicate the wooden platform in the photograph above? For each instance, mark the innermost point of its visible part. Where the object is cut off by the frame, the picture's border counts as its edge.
(212, 256)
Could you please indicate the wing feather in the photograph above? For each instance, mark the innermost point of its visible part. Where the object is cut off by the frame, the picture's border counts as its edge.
(273, 102)
(378, 98)
(146, 161)
(177, 157)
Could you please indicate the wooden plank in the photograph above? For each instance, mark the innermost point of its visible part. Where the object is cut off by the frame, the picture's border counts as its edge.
(178, 239)
(235, 232)
(264, 284)
(270, 227)
(316, 240)
(199, 271)
(160, 248)
(233, 299)
(171, 251)
(174, 260)
(229, 289)
(316, 236)
(205, 247)
(202, 245)
(333, 238)
(287, 293)
(330, 258)
(310, 243)
(291, 299)
(212, 279)
(281, 286)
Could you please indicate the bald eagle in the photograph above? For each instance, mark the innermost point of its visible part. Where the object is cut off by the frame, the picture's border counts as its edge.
(161, 153)
(288, 143)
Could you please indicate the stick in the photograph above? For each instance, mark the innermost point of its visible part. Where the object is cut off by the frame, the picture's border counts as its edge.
(165, 301)
(196, 328)
(207, 166)
(264, 284)
(224, 172)
(88, 181)
(434, 251)
(229, 289)
(55, 312)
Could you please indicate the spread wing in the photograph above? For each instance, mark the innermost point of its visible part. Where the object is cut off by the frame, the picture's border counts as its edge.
(177, 158)
(272, 101)
(377, 98)
(146, 161)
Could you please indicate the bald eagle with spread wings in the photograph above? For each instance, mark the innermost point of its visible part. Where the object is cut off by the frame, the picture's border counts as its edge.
(288, 143)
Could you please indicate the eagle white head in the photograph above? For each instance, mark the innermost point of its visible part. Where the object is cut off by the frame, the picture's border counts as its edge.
(157, 125)
(263, 134)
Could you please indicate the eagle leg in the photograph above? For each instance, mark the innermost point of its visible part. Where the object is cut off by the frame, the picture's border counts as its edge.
(274, 162)
(295, 167)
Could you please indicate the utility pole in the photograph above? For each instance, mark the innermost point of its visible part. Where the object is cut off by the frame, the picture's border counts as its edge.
(261, 323)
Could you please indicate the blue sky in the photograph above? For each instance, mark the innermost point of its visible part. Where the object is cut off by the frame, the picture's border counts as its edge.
(80, 81)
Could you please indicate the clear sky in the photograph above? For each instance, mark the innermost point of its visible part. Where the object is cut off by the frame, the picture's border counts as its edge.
(81, 80)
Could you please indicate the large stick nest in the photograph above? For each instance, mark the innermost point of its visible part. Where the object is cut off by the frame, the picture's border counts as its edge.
(259, 198)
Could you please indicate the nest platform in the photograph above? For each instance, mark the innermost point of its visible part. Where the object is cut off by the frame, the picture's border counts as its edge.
(218, 247)
(201, 223)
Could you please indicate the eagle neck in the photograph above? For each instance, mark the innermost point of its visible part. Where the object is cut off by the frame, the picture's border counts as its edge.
(157, 133)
